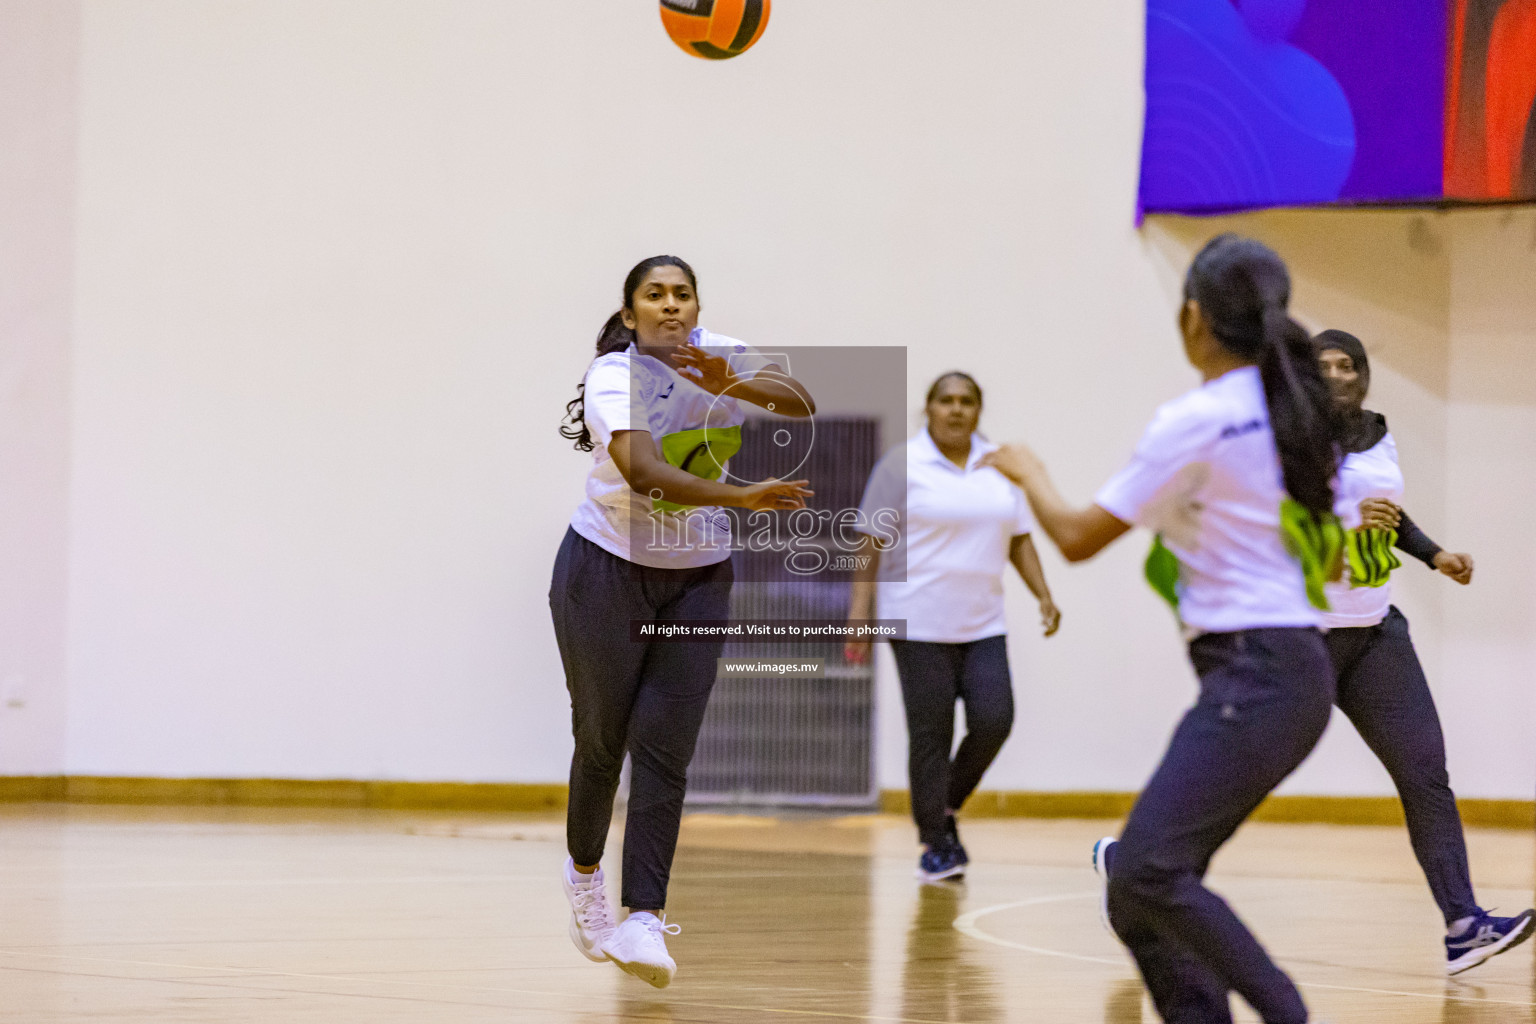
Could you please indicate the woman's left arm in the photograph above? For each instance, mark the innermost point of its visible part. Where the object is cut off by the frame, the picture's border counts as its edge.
(1080, 533)
(1457, 565)
(1022, 553)
(770, 387)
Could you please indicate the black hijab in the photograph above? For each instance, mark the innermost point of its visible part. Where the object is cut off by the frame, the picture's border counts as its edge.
(1364, 430)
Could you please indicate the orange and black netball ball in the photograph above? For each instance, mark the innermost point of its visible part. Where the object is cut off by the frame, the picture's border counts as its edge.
(715, 29)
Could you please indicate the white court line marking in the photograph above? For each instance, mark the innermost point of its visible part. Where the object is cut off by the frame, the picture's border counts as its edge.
(262, 973)
(966, 924)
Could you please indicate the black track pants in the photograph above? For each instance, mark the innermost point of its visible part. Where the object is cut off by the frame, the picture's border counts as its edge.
(644, 698)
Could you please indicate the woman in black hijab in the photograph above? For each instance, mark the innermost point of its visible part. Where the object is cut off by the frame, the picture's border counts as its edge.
(1381, 685)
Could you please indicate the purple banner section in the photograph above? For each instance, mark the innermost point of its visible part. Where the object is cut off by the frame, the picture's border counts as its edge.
(1389, 56)
(1256, 103)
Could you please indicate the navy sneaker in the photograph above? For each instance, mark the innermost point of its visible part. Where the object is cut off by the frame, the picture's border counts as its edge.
(1485, 938)
(1102, 853)
(941, 862)
(952, 836)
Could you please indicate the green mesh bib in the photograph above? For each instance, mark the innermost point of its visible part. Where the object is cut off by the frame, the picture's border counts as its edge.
(703, 452)
(1370, 556)
(1315, 544)
(1162, 572)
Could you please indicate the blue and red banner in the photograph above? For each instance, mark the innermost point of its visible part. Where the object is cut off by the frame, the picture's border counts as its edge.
(1257, 103)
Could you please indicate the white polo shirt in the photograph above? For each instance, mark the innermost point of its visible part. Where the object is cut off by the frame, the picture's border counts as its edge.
(1207, 477)
(629, 391)
(955, 532)
(1373, 473)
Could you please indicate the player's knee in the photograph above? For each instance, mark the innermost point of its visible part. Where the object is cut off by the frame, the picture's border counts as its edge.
(1136, 885)
(992, 726)
(1124, 898)
(923, 739)
(596, 760)
(662, 763)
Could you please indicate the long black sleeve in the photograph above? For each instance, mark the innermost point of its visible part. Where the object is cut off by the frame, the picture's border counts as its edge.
(1415, 541)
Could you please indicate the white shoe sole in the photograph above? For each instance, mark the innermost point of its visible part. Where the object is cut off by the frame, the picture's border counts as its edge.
(956, 872)
(1481, 955)
(657, 975)
(1103, 873)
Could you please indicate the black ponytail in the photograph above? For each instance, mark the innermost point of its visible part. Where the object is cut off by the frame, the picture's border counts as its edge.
(1301, 412)
(1243, 289)
(615, 337)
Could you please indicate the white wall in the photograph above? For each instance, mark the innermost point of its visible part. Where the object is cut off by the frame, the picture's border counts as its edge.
(1486, 672)
(338, 265)
(39, 43)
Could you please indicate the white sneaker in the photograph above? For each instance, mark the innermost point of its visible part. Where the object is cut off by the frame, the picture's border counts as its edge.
(1101, 868)
(639, 947)
(591, 916)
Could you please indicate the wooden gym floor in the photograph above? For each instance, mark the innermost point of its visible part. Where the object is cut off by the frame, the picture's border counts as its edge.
(111, 914)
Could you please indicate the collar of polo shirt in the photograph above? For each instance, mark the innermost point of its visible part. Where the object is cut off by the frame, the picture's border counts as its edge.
(927, 451)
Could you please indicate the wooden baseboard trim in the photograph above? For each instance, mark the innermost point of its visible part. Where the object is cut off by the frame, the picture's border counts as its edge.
(31, 789)
(1498, 813)
(454, 796)
(996, 803)
(499, 796)
(1327, 810)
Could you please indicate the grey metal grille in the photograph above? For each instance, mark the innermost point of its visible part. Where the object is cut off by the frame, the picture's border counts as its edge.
(778, 741)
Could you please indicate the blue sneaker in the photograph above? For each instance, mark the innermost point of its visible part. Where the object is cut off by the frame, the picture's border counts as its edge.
(1102, 853)
(940, 863)
(1484, 939)
(952, 835)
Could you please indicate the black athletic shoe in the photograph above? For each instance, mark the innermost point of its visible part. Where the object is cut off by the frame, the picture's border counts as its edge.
(940, 863)
(952, 835)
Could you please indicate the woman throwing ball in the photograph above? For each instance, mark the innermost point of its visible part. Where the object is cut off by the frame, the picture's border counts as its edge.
(660, 411)
(1235, 478)
(1381, 685)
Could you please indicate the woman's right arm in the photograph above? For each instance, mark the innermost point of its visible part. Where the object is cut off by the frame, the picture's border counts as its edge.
(634, 453)
(862, 604)
(1080, 533)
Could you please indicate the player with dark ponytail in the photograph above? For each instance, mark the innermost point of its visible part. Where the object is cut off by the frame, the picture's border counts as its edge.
(660, 409)
(1243, 289)
(1235, 478)
(616, 336)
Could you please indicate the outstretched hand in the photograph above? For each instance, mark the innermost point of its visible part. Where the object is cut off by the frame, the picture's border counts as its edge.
(780, 494)
(1458, 566)
(1014, 461)
(711, 372)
